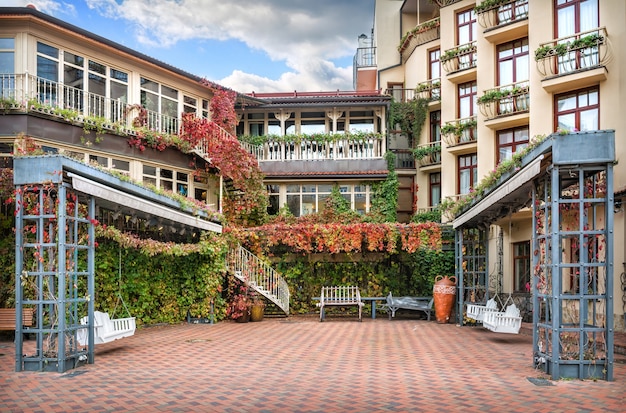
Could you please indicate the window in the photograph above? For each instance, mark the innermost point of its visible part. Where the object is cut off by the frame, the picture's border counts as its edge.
(435, 126)
(434, 66)
(435, 189)
(578, 110)
(7, 68)
(466, 26)
(273, 192)
(467, 109)
(310, 198)
(162, 100)
(468, 172)
(396, 90)
(521, 266)
(513, 62)
(48, 72)
(511, 141)
(575, 16)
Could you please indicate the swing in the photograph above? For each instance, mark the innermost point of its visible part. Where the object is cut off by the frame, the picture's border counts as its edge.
(508, 321)
(105, 328)
(477, 311)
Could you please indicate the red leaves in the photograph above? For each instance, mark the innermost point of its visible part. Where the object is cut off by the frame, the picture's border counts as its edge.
(340, 238)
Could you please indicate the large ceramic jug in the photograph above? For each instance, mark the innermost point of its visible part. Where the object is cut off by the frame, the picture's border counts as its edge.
(444, 292)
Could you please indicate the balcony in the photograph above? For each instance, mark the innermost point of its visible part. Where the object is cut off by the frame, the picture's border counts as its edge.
(505, 101)
(458, 61)
(575, 61)
(404, 159)
(460, 134)
(32, 92)
(503, 14)
(428, 154)
(429, 90)
(365, 57)
(421, 34)
(346, 148)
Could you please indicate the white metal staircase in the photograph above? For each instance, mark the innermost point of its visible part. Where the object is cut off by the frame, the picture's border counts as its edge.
(259, 275)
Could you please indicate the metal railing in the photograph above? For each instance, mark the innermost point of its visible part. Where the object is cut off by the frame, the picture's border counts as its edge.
(460, 131)
(365, 57)
(25, 90)
(259, 276)
(459, 58)
(584, 50)
(505, 100)
(306, 150)
(433, 155)
(502, 14)
(421, 34)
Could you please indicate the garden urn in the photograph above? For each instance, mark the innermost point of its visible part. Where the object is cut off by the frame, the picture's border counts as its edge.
(444, 292)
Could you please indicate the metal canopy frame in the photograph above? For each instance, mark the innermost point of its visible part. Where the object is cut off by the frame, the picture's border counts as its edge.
(56, 209)
(566, 177)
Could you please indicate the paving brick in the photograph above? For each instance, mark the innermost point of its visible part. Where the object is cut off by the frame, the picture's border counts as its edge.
(301, 365)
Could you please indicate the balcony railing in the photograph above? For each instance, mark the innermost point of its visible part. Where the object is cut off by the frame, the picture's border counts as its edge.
(505, 100)
(365, 57)
(460, 131)
(26, 90)
(419, 35)
(428, 154)
(309, 150)
(459, 58)
(430, 90)
(502, 12)
(404, 159)
(570, 54)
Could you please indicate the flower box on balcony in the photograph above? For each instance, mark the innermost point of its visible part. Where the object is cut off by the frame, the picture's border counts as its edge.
(566, 55)
(459, 58)
(504, 101)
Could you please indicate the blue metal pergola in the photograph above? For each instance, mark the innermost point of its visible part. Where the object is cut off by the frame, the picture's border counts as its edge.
(567, 181)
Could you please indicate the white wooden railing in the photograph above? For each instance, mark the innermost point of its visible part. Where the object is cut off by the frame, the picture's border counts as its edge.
(307, 150)
(259, 275)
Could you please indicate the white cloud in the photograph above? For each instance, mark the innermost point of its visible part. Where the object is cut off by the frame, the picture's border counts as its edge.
(304, 34)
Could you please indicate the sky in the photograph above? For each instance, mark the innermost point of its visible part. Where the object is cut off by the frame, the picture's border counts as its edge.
(246, 45)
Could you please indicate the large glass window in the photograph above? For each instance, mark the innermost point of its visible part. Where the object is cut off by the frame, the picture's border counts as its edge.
(310, 198)
(511, 141)
(468, 172)
(467, 100)
(521, 266)
(575, 16)
(513, 62)
(435, 126)
(434, 65)
(7, 67)
(162, 101)
(578, 110)
(466, 26)
(48, 72)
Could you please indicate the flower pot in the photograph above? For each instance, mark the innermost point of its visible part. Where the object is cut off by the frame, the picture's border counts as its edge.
(256, 312)
(444, 292)
(244, 318)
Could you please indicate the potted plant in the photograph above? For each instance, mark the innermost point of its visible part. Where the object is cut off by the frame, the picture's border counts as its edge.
(257, 308)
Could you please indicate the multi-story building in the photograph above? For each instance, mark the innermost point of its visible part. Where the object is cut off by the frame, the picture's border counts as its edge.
(498, 75)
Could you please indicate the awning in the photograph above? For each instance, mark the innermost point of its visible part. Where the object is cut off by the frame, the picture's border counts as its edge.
(133, 202)
(493, 200)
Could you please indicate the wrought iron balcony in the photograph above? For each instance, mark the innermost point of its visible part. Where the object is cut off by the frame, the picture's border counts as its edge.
(430, 90)
(460, 131)
(505, 100)
(582, 51)
(365, 57)
(459, 58)
(502, 12)
(428, 154)
(419, 35)
(404, 159)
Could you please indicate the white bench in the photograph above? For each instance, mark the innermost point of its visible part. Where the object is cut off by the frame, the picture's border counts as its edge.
(107, 329)
(393, 304)
(341, 296)
(508, 321)
(477, 311)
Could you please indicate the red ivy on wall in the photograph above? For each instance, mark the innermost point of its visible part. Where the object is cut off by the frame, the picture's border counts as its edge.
(306, 238)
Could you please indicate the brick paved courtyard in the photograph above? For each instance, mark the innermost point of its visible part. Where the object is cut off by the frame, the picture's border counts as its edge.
(301, 365)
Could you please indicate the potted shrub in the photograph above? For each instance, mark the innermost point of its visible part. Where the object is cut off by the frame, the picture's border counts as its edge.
(257, 308)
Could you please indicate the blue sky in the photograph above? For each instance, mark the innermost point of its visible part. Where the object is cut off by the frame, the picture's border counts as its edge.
(247, 45)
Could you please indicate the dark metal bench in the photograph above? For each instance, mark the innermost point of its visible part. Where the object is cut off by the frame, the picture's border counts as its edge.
(393, 304)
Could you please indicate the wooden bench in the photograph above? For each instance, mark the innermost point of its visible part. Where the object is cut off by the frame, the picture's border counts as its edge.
(508, 321)
(393, 304)
(7, 318)
(341, 296)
